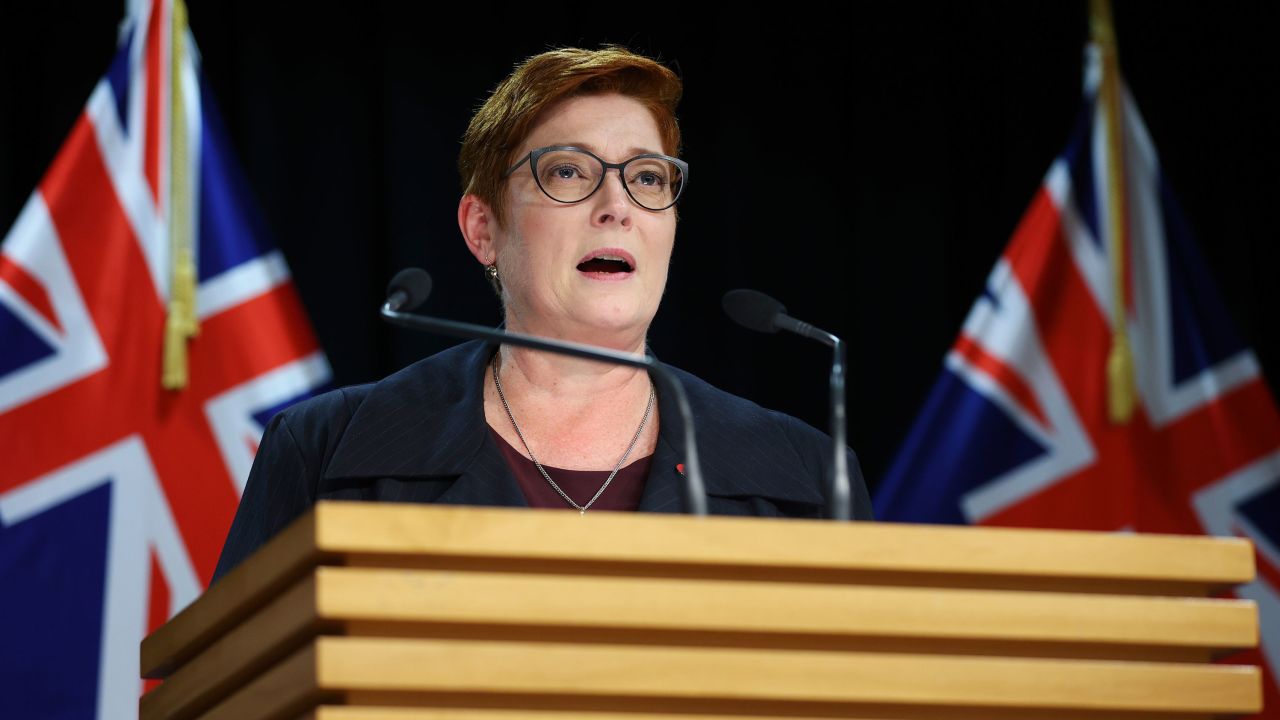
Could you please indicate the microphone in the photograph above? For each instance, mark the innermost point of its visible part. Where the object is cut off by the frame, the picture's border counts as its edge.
(753, 310)
(409, 289)
(756, 311)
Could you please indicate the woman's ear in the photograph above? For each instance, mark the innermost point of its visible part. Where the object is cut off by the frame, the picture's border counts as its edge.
(478, 225)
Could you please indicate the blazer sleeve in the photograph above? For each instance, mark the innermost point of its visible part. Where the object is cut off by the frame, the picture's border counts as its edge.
(861, 498)
(281, 487)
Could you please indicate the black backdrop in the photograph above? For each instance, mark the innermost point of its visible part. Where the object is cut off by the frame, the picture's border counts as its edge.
(865, 165)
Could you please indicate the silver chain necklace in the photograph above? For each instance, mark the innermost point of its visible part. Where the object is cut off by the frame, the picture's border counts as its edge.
(582, 509)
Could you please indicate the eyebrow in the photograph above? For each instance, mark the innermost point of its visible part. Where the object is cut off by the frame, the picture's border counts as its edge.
(631, 152)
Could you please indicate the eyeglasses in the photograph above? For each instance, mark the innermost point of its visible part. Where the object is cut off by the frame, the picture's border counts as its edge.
(568, 175)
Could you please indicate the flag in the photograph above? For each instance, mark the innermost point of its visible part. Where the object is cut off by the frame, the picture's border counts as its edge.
(1098, 383)
(148, 331)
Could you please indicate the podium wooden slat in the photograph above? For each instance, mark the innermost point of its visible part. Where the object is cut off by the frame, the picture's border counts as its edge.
(728, 609)
(762, 547)
(728, 681)
(375, 712)
(985, 622)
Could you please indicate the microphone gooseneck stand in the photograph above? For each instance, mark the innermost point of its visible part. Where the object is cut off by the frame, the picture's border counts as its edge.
(756, 311)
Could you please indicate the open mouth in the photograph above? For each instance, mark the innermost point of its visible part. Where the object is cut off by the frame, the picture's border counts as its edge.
(605, 265)
(607, 262)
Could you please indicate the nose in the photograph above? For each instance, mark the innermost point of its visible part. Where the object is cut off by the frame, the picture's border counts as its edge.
(613, 204)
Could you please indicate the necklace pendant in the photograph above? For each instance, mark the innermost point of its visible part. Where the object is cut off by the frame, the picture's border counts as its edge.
(582, 511)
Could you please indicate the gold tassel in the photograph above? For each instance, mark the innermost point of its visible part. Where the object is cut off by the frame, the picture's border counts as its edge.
(1122, 394)
(181, 324)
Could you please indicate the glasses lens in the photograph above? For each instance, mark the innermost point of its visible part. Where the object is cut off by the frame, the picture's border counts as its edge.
(653, 182)
(568, 175)
(572, 175)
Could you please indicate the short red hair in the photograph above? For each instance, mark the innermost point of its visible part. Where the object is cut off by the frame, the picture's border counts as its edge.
(505, 119)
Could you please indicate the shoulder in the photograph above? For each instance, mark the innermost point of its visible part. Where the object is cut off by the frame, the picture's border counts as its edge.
(750, 437)
(329, 410)
(437, 377)
(743, 417)
(323, 426)
(312, 428)
(358, 431)
(748, 449)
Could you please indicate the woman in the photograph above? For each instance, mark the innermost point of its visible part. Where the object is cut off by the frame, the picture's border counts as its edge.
(570, 183)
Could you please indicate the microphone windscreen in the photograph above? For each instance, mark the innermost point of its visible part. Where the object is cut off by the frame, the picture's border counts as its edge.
(753, 310)
(415, 283)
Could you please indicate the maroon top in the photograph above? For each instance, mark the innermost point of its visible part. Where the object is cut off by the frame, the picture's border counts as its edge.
(622, 494)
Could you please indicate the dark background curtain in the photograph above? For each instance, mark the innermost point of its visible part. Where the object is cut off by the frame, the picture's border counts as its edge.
(864, 164)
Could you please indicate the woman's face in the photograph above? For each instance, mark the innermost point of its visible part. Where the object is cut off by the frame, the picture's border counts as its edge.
(544, 248)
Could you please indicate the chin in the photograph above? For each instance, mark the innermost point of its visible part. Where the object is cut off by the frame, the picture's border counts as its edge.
(622, 321)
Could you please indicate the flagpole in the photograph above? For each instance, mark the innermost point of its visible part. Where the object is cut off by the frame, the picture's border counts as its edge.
(1121, 389)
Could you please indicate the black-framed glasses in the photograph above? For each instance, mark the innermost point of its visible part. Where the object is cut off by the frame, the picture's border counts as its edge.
(570, 174)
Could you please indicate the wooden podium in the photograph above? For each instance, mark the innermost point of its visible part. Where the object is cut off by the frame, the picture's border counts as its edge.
(394, 612)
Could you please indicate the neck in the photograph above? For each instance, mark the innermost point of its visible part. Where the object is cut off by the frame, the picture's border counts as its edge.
(574, 413)
(566, 377)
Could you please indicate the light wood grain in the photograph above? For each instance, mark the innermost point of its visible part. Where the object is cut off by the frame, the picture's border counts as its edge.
(522, 540)
(652, 609)
(494, 610)
(334, 712)
(647, 611)
(662, 541)
(737, 678)
(288, 688)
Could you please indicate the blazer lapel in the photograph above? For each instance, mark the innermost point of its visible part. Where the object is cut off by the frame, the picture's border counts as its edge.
(664, 488)
(426, 422)
(486, 481)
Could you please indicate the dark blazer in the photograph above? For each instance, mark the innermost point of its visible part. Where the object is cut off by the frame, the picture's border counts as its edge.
(420, 436)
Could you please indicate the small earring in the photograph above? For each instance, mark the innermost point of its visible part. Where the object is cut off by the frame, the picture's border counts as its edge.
(491, 274)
